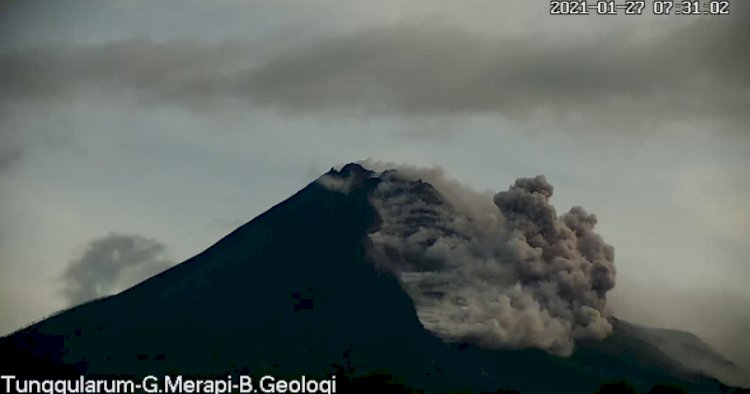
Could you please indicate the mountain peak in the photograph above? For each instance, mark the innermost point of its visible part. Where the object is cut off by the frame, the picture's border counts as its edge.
(296, 292)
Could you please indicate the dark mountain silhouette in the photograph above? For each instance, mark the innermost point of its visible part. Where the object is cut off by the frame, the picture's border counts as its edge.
(292, 293)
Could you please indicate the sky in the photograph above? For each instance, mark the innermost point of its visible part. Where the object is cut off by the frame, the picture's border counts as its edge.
(135, 134)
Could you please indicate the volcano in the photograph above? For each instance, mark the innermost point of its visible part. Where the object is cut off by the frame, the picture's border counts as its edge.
(295, 292)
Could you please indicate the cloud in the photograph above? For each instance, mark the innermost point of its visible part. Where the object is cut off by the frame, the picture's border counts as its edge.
(516, 275)
(183, 71)
(20, 138)
(112, 263)
(617, 79)
(625, 79)
(9, 155)
(13, 145)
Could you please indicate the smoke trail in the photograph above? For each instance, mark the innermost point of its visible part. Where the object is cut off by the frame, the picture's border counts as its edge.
(112, 263)
(512, 276)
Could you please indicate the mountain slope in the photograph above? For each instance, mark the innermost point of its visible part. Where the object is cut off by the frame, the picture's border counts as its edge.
(292, 293)
(686, 350)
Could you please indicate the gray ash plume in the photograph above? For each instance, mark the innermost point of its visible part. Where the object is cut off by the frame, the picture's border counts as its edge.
(512, 275)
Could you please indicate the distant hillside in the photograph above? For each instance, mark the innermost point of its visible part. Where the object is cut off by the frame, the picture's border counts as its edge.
(686, 350)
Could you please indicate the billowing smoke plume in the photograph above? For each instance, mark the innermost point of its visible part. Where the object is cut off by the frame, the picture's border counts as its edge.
(112, 263)
(514, 276)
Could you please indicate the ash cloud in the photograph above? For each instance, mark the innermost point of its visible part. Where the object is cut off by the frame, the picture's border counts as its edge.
(515, 276)
(111, 264)
(338, 184)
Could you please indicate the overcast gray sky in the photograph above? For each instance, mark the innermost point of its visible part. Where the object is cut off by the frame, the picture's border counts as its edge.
(147, 130)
